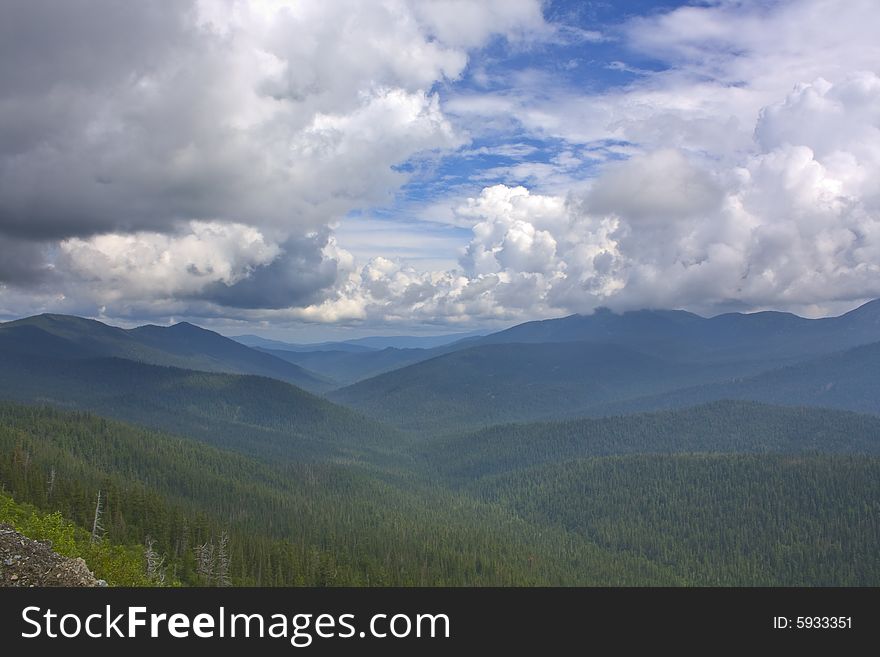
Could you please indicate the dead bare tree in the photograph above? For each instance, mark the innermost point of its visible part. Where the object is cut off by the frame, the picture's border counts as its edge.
(155, 563)
(97, 528)
(222, 569)
(205, 563)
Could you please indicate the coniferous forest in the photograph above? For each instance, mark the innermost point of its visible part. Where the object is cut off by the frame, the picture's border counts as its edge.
(162, 475)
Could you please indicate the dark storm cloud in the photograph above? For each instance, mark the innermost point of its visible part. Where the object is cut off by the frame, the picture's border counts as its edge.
(22, 263)
(91, 43)
(64, 155)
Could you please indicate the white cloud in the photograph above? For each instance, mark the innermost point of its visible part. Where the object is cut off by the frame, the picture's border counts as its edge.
(125, 127)
(192, 161)
(143, 266)
(795, 223)
(468, 24)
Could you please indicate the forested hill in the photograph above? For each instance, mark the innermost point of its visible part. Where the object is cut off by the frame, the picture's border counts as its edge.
(256, 415)
(639, 519)
(719, 427)
(497, 383)
(286, 523)
(845, 380)
(717, 519)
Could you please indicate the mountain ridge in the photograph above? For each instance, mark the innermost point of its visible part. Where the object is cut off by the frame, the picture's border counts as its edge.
(182, 345)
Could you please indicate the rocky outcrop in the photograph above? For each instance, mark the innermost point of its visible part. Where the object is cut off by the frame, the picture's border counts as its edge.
(25, 562)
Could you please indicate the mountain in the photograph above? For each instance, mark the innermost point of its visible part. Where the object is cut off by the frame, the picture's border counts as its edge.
(600, 363)
(846, 380)
(495, 383)
(255, 415)
(303, 491)
(775, 335)
(182, 345)
(718, 427)
(360, 345)
(347, 367)
(257, 342)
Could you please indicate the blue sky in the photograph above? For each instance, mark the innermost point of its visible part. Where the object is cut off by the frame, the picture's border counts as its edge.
(588, 56)
(311, 170)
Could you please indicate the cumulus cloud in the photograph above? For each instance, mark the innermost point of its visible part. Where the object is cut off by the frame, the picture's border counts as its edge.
(192, 160)
(793, 223)
(796, 221)
(147, 265)
(157, 129)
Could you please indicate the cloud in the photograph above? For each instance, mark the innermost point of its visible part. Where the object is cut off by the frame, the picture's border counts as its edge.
(23, 263)
(305, 268)
(157, 265)
(273, 123)
(793, 223)
(657, 187)
(190, 158)
(194, 159)
(469, 24)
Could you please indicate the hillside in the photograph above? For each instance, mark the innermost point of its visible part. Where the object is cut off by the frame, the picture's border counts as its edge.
(715, 520)
(347, 367)
(495, 383)
(845, 380)
(255, 415)
(181, 345)
(286, 523)
(775, 335)
(719, 427)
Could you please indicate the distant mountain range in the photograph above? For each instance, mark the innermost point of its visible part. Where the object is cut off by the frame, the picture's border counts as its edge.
(611, 363)
(354, 360)
(181, 345)
(576, 366)
(774, 334)
(359, 345)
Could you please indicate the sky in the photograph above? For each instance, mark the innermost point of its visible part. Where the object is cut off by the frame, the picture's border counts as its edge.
(314, 169)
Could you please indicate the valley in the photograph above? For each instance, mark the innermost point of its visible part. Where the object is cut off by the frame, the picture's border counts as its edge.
(644, 449)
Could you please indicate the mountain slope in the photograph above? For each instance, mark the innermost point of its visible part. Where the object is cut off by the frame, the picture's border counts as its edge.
(847, 380)
(723, 426)
(316, 524)
(775, 335)
(715, 520)
(495, 383)
(255, 415)
(182, 345)
(346, 367)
